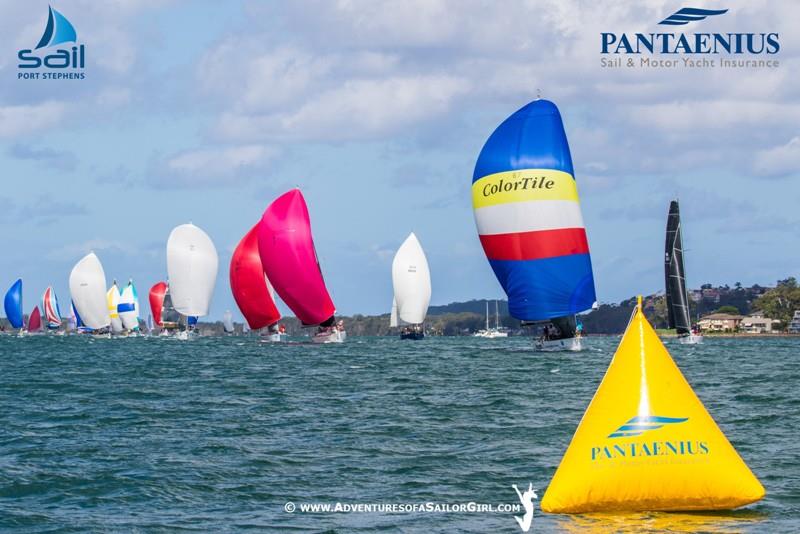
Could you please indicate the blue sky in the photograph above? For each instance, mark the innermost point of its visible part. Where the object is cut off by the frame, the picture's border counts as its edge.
(206, 111)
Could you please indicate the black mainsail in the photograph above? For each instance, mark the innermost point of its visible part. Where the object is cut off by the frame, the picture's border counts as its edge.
(674, 273)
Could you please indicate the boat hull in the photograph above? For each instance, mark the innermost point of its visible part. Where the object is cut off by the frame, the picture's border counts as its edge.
(332, 336)
(570, 344)
(491, 334)
(413, 335)
(272, 338)
(690, 339)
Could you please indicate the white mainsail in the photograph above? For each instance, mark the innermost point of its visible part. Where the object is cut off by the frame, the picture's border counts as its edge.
(411, 279)
(192, 265)
(128, 307)
(87, 286)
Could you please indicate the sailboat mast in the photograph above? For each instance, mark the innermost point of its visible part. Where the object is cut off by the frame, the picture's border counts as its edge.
(487, 315)
(496, 315)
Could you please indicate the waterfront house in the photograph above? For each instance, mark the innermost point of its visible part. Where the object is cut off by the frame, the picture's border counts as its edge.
(794, 326)
(756, 323)
(720, 322)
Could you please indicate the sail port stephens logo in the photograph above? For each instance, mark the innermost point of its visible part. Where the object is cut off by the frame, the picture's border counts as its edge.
(647, 448)
(676, 49)
(45, 63)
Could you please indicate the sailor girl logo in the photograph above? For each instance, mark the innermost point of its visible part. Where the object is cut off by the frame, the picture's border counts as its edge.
(48, 62)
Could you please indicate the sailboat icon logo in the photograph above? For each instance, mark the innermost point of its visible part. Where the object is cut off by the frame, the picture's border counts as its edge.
(58, 30)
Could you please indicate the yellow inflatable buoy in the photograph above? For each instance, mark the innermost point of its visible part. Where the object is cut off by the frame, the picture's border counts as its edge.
(647, 443)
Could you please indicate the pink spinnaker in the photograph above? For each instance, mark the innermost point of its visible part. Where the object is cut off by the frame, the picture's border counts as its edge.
(290, 262)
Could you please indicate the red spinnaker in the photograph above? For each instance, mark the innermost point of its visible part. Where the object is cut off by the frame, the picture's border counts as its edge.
(35, 320)
(249, 285)
(157, 293)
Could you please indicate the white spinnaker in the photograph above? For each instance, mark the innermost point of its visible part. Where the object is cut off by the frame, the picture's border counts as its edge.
(87, 287)
(227, 321)
(129, 307)
(411, 279)
(393, 319)
(192, 265)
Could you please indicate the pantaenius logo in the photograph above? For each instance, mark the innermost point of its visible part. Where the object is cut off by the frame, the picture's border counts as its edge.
(648, 446)
(58, 31)
(690, 43)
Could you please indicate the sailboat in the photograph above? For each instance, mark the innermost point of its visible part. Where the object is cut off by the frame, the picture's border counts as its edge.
(128, 309)
(492, 333)
(411, 280)
(13, 305)
(192, 265)
(251, 288)
(112, 301)
(525, 201)
(35, 321)
(87, 286)
(51, 311)
(290, 262)
(75, 321)
(227, 322)
(678, 314)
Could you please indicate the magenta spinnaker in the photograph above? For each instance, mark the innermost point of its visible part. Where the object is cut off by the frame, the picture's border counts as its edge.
(290, 261)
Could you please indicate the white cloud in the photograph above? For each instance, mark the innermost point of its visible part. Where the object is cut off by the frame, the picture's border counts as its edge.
(212, 167)
(780, 160)
(21, 120)
(357, 109)
(77, 250)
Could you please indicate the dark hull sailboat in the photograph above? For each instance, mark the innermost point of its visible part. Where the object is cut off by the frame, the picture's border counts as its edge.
(678, 315)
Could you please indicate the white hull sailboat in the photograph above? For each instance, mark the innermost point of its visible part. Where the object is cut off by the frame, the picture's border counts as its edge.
(492, 333)
(332, 336)
(571, 344)
(690, 339)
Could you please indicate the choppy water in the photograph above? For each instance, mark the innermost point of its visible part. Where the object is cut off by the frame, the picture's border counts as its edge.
(218, 434)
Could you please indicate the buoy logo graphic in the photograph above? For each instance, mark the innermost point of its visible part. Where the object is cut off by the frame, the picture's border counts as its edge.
(526, 498)
(691, 14)
(636, 426)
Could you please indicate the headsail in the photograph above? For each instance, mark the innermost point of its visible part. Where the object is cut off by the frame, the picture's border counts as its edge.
(169, 315)
(13, 304)
(87, 285)
(128, 307)
(287, 253)
(393, 320)
(192, 265)
(51, 311)
(112, 300)
(227, 321)
(249, 284)
(526, 209)
(411, 280)
(678, 314)
(35, 320)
